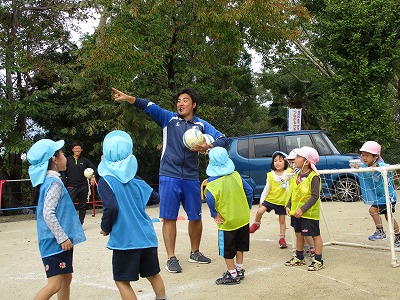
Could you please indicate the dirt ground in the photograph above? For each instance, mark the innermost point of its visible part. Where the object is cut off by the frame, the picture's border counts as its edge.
(350, 272)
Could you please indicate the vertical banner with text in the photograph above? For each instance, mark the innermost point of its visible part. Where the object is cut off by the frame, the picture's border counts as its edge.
(294, 119)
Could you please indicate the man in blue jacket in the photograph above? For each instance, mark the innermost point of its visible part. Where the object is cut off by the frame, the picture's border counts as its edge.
(179, 169)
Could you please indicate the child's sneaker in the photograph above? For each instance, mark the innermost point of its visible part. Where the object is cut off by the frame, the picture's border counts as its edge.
(227, 279)
(240, 273)
(397, 243)
(294, 261)
(282, 243)
(254, 227)
(311, 252)
(378, 235)
(316, 265)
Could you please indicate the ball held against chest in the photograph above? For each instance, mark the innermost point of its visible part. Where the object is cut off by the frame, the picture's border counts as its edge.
(192, 137)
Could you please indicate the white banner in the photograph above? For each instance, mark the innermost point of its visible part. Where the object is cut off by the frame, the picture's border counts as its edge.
(294, 119)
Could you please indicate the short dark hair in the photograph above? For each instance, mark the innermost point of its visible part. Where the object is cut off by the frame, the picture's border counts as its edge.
(281, 155)
(76, 143)
(192, 93)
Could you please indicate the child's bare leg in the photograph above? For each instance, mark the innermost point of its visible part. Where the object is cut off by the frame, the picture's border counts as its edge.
(395, 224)
(373, 211)
(126, 291)
(239, 257)
(299, 242)
(309, 241)
(318, 244)
(282, 225)
(158, 286)
(53, 285)
(65, 290)
(261, 210)
(230, 263)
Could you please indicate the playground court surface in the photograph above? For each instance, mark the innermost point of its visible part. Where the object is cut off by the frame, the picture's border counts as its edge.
(350, 272)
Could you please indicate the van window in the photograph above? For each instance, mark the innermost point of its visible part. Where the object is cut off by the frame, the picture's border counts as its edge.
(297, 141)
(265, 147)
(243, 148)
(322, 147)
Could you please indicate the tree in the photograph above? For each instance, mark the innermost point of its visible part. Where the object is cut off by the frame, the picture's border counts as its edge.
(361, 41)
(29, 31)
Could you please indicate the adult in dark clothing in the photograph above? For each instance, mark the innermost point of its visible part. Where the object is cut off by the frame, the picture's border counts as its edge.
(75, 180)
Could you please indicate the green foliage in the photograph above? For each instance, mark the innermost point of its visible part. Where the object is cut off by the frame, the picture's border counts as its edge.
(361, 40)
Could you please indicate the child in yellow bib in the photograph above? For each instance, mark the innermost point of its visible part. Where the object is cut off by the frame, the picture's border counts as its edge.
(229, 198)
(304, 207)
(308, 241)
(273, 196)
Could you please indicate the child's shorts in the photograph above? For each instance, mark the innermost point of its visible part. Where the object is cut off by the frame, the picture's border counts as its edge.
(382, 208)
(173, 191)
(279, 209)
(307, 227)
(129, 264)
(57, 264)
(229, 242)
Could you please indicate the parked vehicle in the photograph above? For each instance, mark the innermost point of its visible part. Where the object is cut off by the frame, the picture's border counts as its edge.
(252, 156)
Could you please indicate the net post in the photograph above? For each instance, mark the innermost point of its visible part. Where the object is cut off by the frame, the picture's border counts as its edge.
(384, 173)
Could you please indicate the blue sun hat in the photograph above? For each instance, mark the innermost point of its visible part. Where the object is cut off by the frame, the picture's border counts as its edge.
(118, 160)
(220, 163)
(38, 156)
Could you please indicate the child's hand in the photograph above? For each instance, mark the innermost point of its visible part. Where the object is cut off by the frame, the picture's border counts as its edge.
(104, 233)
(218, 219)
(66, 245)
(288, 211)
(261, 204)
(298, 213)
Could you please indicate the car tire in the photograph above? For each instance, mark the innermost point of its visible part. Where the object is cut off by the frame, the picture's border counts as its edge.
(347, 190)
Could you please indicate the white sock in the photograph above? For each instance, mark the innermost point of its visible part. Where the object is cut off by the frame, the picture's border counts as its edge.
(239, 266)
(233, 273)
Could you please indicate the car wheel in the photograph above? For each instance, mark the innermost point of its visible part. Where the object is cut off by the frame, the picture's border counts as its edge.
(347, 190)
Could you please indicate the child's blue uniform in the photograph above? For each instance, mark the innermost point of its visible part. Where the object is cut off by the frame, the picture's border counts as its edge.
(66, 216)
(372, 186)
(132, 228)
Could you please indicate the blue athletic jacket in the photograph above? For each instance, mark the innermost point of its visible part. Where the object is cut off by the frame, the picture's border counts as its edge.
(176, 160)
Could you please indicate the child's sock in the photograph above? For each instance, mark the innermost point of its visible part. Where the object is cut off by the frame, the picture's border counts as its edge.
(233, 273)
(300, 254)
(318, 257)
(380, 229)
(239, 266)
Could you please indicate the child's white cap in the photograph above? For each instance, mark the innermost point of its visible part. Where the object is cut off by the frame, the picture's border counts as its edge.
(309, 154)
(292, 154)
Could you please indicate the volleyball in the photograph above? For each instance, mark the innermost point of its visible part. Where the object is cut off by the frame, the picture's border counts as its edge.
(192, 137)
(88, 173)
(209, 139)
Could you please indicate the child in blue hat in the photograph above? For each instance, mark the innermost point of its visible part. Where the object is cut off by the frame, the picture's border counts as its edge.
(58, 225)
(229, 198)
(131, 233)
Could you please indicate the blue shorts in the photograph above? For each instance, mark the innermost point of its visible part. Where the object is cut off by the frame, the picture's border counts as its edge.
(57, 264)
(173, 192)
(307, 227)
(129, 264)
(279, 209)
